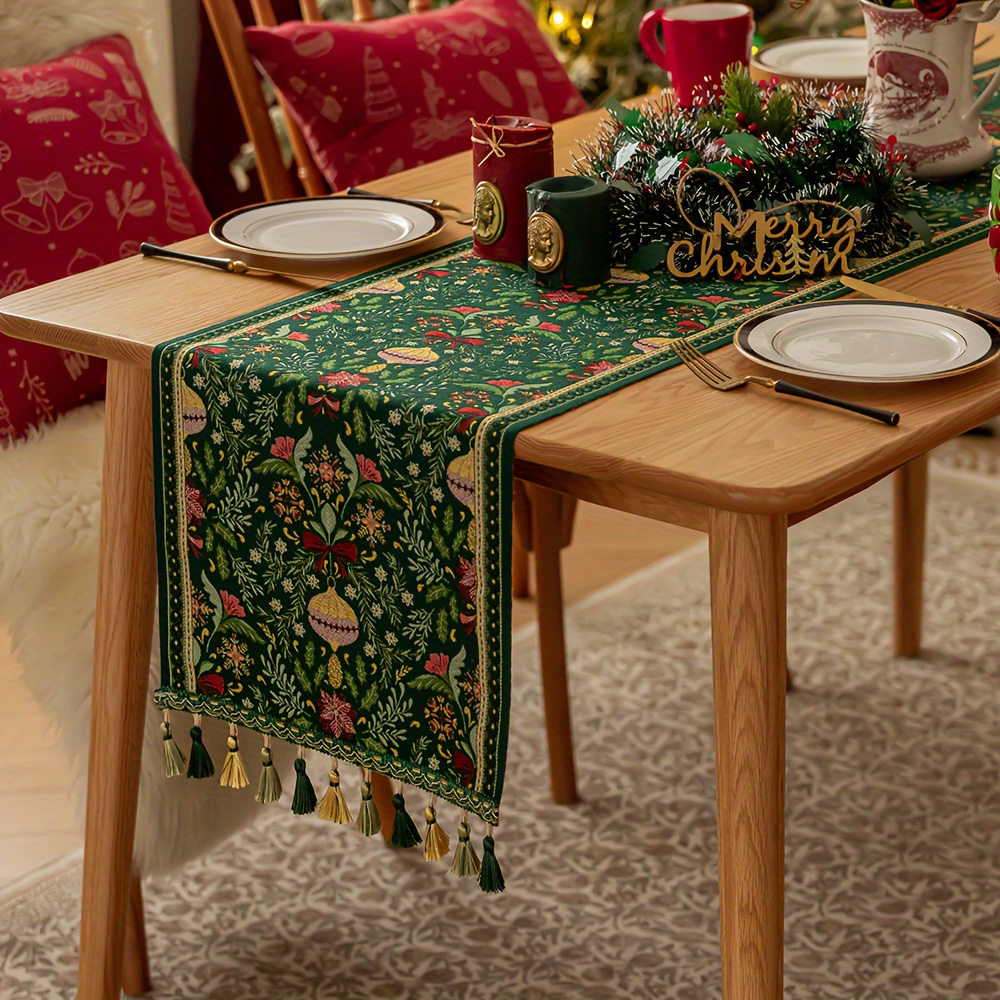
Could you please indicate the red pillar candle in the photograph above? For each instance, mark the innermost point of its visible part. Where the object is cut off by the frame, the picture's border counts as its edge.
(508, 154)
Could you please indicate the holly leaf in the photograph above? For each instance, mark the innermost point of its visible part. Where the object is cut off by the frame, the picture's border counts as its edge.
(918, 224)
(625, 153)
(665, 168)
(648, 256)
(623, 186)
(723, 169)
(746, 145)
(629, 117)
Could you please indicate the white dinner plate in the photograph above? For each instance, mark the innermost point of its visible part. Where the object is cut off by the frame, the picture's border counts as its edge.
(869, 341)
(311, 232)
(825, 60)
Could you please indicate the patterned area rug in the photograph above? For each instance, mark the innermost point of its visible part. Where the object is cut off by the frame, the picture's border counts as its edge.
(893, 817)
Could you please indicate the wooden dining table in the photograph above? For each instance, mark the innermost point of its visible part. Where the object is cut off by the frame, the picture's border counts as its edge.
(742, 467)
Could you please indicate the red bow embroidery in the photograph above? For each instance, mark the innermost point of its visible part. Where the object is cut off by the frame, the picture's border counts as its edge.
(341, 552)
(455, 340)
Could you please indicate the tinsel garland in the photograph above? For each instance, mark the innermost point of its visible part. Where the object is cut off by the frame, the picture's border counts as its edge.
(776, 147)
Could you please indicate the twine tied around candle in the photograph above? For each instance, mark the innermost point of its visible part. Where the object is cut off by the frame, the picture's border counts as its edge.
(496, 147)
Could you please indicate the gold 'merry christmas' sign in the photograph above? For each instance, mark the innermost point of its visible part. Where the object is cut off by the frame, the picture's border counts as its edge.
(782, 246)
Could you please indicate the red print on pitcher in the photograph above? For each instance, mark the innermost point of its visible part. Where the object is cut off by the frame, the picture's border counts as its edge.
(909, 88)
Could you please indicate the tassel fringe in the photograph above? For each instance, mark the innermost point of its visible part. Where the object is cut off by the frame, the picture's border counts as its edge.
(269, 789)
(304, 797)
(234, 774)
(334, 806)
(466, 863)
(369, 821)
(404, 830)
(173, 760)
(436, 841)
(490, 877)
(200, 762)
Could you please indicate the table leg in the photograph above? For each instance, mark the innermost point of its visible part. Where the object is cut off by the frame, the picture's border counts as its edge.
(126, 590)
(551, 529)
(521, 545)
(748, 574)
(136, 979)
(909, 529)
(382, 797)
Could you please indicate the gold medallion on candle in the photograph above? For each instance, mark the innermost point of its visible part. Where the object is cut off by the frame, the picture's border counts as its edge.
(545, 243)
(488, 213)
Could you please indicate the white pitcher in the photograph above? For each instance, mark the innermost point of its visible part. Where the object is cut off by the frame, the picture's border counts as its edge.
(920, 86)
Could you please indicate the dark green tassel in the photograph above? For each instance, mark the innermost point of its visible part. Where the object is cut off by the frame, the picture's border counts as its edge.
(200, 763)
(304, 796)
(490, 876)
(404, 831)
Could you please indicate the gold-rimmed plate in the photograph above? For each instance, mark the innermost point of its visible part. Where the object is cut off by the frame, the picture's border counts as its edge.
(869, 341)
(310, 233)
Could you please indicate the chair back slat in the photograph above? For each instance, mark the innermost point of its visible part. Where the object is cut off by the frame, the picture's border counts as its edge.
(312, 180)
(310, 10)
(228, 30)
(363, 10)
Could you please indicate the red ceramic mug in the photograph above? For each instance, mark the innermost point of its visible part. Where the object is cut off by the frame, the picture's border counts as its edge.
(699, 42)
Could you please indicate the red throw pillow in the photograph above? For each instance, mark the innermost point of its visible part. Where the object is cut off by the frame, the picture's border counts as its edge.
(383, 96)
(86, 174)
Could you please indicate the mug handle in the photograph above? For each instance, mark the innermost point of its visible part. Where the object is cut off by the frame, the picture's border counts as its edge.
(988, 91)
(649, 40)
(970, 12)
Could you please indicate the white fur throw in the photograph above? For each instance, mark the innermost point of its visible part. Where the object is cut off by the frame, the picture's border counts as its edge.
(50, 496)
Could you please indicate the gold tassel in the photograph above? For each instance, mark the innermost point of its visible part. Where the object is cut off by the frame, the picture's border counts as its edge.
(234, 774)
(466, 863)
(334, 807)
(173, 760)
(436, 841)
(269, 789)
(369, 821)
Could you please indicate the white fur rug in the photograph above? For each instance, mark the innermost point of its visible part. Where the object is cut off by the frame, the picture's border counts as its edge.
(50, 496)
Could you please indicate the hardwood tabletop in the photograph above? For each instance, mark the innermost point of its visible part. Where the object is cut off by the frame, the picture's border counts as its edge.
(662, 447)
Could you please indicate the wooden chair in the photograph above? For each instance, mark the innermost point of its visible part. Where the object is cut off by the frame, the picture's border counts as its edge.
(534, 506)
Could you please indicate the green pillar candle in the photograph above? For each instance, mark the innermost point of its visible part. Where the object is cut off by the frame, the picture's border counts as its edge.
(568, 232)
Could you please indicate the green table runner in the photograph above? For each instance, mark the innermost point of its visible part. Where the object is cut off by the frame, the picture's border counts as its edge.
(334, 498)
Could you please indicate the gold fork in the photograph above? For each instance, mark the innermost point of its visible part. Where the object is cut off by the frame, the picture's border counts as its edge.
(712, 375)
